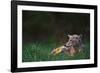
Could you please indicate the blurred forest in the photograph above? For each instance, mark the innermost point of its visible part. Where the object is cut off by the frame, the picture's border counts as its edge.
(40, 25)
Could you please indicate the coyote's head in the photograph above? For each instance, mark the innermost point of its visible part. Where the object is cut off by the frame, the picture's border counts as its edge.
(74, 40)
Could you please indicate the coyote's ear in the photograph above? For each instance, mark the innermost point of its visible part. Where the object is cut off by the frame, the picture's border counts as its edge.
(80, 35)
(69, 35)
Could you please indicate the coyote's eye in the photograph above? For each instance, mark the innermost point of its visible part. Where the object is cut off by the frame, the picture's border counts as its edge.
(76, 37)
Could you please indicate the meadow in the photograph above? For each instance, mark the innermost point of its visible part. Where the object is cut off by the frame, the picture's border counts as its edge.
(40, 51)
(42, 31)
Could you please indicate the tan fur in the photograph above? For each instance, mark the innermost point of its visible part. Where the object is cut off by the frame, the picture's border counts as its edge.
(71, 48)
(72, 51)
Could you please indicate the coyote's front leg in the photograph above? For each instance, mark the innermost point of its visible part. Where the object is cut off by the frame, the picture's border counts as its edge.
(72, 51)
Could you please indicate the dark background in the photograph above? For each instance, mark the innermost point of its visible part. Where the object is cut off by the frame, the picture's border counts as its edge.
(39, 25)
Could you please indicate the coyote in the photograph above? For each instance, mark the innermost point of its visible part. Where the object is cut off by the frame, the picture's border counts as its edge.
(73, 46)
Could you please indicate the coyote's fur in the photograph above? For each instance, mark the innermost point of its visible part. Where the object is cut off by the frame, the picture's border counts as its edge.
(73, 46)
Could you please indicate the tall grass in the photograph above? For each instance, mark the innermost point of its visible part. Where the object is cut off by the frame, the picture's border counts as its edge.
(40, 51)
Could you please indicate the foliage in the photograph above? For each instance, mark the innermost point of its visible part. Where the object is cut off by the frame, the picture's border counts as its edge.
(40, 51)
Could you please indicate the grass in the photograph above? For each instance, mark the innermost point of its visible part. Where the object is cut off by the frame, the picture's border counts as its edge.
(39, 51)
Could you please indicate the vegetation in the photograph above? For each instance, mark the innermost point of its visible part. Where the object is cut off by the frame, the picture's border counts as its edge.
(43, 31)
(40, 51)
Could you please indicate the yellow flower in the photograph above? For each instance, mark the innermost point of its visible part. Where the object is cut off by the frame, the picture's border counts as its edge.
(57, 51)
